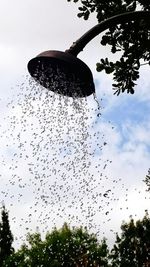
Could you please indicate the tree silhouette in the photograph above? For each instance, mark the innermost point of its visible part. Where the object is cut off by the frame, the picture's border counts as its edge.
(132, 249)
(62, 248)
(75, 247)
(6, 237)
(131, 39)
(147, 180)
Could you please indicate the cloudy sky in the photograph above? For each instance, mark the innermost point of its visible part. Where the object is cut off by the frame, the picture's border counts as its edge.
(59, 160)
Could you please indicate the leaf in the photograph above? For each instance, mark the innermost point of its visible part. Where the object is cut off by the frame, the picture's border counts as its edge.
(114, 85)
(109, 70)
(99, 67)
(86, 15)
(131, 38)
(106, 60)
(102, 60)
(82, 8)
(80, 15)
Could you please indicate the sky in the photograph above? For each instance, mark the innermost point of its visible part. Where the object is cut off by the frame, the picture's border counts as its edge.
(59, 160)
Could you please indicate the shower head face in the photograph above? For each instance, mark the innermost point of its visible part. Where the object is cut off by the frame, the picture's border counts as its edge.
(62, 73)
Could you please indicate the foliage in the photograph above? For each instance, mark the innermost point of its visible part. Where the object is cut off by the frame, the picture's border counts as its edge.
(131, 38)
(64, 247)
(75, 247)
(132, 249)
(147, 180)
(6, 238)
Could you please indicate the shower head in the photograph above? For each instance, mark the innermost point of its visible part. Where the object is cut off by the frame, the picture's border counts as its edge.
(62, 73)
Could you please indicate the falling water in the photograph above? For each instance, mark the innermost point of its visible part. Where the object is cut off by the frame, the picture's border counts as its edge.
(53, 166)
(98, 105)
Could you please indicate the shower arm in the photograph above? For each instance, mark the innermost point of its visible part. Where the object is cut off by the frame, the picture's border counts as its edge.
(79, 45)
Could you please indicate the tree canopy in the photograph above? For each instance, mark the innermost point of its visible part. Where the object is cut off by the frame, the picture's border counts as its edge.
(132, 249)
(147, 180)
(6, 237)
(131, 39)
(65, 247)
(76, 247)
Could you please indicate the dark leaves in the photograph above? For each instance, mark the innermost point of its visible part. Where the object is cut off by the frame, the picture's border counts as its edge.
(133, 247)
(75, 1)
(105, 65)
(147, 180)
(131, 38)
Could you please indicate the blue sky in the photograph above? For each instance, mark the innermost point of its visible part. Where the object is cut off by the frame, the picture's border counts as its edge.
(114, 155)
